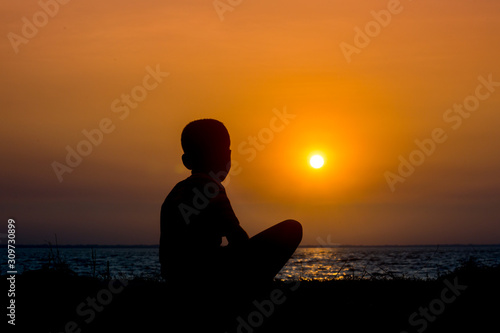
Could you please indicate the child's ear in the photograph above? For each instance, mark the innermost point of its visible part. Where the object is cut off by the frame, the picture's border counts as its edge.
(187, 160)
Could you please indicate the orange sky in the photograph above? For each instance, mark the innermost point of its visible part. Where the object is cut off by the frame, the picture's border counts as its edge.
(363, 112)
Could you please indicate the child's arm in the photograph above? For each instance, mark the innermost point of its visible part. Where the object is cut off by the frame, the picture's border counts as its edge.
(236, 235)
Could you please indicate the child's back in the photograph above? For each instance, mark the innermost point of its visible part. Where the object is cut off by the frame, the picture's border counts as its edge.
(194, 218)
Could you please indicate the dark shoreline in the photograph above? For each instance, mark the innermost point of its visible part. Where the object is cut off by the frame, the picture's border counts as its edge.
(465, 300)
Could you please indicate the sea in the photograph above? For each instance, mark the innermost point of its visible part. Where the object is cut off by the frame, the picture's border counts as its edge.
(308, 263)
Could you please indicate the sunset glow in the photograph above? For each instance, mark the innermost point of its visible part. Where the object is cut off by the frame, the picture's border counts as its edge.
(316, 161)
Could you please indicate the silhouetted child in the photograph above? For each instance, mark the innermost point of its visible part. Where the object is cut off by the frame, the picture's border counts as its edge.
(197, 213)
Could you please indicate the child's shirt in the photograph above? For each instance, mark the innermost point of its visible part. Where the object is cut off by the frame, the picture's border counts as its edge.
(194, 217)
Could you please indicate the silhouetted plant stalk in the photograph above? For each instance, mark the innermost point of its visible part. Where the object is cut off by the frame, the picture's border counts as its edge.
(94, 260)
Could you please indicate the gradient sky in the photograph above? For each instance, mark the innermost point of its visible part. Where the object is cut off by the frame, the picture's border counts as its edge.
(264, 58)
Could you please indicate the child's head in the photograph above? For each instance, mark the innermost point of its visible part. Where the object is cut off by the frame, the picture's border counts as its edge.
(206, 146)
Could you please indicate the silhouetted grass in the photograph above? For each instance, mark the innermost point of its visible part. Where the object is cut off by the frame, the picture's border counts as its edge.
(48, 299)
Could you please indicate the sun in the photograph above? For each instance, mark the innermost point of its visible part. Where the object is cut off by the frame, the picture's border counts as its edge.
(316, 161)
